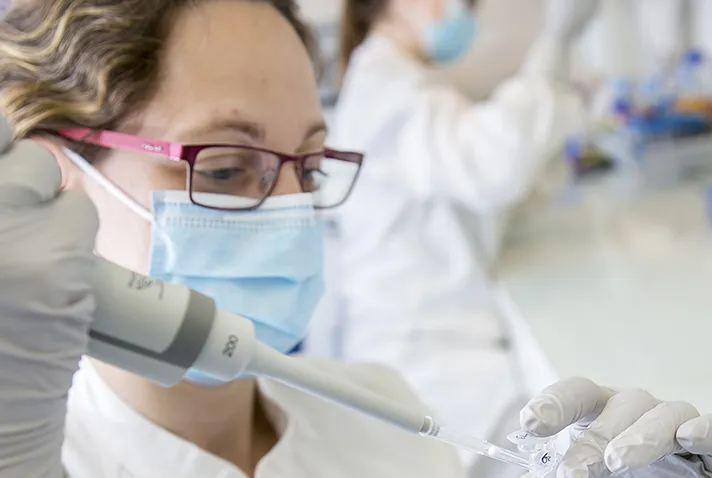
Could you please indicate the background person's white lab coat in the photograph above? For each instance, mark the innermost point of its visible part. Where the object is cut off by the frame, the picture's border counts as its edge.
(408, 284)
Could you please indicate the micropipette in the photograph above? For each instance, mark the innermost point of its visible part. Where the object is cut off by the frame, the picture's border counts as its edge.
(541, 458)
(159, 330)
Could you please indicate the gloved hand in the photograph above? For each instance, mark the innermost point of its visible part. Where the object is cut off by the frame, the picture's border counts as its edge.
(566, 19)
(46, 303)
(629, 432)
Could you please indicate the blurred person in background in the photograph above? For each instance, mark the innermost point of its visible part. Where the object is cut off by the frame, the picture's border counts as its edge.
(407, 276)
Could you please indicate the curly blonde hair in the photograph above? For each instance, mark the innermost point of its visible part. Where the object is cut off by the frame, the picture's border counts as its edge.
(88, 63)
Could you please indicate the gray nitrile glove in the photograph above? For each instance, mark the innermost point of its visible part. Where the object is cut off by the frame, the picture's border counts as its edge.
(46, 304)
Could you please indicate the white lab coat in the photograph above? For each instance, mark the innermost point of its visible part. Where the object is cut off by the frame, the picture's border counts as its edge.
(406, 279)
(105, 438)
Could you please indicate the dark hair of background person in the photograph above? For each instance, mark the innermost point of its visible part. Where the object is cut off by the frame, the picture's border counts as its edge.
(357, 20)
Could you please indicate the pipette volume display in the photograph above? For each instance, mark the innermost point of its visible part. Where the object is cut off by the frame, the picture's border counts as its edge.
(541, 456)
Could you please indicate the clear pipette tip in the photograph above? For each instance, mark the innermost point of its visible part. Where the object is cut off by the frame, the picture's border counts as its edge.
(541, 458)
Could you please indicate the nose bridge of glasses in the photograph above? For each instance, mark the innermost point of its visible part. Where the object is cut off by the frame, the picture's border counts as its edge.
(289, 177)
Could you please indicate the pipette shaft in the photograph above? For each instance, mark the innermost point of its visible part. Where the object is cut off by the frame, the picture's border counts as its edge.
(267, 362)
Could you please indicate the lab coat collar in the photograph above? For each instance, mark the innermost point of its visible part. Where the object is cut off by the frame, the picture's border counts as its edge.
(169, 455)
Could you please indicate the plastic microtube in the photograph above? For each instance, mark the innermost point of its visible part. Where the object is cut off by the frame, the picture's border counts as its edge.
(540, 460)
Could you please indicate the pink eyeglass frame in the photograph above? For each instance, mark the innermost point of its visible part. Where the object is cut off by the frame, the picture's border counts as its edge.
(189, 153)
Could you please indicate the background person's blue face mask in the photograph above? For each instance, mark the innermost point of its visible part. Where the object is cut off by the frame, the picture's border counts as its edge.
(447, 39)
(265, 264)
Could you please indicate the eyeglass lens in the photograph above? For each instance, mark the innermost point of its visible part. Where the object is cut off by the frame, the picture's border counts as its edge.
(251, 175)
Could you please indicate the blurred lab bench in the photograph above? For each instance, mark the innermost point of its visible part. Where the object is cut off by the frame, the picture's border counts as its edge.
(615, 289)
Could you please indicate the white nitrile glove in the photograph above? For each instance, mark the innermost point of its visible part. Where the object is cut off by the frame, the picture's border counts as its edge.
(630, 432)
(46, 304)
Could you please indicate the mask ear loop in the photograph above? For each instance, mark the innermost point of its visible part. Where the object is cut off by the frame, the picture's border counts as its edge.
(113, 189)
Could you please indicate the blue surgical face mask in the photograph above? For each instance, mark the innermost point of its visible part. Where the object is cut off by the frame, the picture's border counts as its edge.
(447, 39)
(265, 264)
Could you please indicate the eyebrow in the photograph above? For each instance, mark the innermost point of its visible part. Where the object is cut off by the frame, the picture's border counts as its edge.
(253, 130)
(318, 127)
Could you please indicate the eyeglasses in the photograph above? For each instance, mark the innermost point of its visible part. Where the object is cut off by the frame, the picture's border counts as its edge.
(245, 171)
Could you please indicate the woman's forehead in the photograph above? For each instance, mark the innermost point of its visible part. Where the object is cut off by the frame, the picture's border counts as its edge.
(237, 57)
(226, 42)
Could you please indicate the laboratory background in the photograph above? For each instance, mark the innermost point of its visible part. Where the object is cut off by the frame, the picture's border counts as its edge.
(601, 268)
